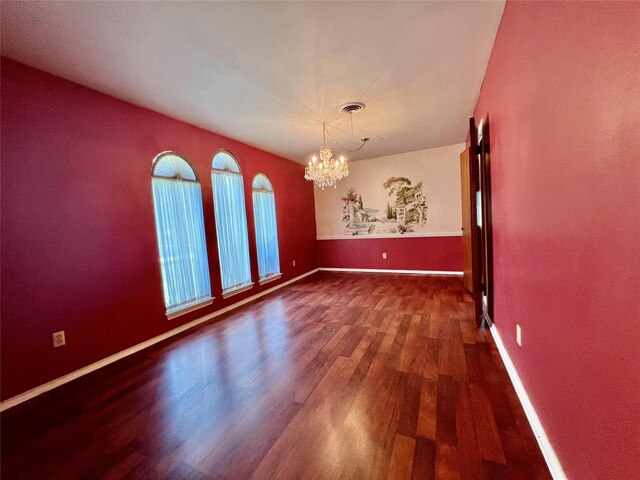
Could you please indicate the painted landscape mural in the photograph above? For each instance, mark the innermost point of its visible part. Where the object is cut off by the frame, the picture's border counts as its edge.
(406, 210)
(408, 194)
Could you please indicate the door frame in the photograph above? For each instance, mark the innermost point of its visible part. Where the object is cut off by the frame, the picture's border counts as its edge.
(487, 227)
(481, 235)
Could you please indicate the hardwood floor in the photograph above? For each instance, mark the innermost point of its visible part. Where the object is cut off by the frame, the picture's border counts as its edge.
(341, 375)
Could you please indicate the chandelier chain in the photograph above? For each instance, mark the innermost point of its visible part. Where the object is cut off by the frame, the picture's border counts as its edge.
(326, 170)
(340, 146)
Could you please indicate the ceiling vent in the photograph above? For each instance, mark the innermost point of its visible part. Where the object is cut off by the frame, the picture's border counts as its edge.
(352, 107)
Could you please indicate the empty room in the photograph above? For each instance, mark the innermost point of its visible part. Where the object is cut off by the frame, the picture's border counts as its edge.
(320, 240)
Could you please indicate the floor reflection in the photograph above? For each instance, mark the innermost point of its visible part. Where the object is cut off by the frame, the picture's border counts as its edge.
(211, 381)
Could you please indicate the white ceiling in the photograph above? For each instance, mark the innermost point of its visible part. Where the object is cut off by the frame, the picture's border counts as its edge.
(269, 73)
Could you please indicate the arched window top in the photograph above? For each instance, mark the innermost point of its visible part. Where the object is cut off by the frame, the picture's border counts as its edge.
(225, 162)
(173, 165)
(262, 183)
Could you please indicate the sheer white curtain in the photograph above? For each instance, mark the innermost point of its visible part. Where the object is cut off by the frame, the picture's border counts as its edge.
(264, 211)
(231, 227)
(183, 252)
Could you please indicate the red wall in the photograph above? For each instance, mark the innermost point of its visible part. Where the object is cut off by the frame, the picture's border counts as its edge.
(410, 253)
(562, 92)
(79, 248)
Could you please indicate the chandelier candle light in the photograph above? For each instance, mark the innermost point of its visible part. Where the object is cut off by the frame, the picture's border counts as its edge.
(327, 171)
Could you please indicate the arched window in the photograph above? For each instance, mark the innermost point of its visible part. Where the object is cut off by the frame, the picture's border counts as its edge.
(231, 224)
(177, 201)
(264, 213)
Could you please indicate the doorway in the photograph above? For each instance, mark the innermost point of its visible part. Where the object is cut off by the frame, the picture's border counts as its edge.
(475, 175)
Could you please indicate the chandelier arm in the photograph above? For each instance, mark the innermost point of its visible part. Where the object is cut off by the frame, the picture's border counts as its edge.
(340, 146)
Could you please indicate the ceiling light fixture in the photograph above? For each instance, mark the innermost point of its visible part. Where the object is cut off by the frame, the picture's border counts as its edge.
(327, 170)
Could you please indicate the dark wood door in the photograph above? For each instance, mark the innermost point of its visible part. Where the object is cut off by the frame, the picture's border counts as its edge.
(475, 172)
(467, 224)
(486, 241)
(476, 233)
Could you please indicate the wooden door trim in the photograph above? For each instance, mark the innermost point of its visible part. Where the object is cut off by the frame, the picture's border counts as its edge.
(476, 252)
(487, 229)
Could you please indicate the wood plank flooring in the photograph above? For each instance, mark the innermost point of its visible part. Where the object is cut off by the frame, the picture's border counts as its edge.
(339, 376)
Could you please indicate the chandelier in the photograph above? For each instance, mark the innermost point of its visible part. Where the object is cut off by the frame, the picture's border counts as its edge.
(327, 171)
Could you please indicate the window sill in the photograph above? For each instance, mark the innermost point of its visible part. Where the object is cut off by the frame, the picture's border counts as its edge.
(237, 290)
(271, 278)
(189, 308)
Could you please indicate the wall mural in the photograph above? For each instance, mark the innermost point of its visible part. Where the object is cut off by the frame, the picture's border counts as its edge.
(408, 194)
(406, 210)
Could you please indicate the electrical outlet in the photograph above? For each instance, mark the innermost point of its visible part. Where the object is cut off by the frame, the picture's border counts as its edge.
(58, 339)
(294, 263)
(384, 256)
(518, 335)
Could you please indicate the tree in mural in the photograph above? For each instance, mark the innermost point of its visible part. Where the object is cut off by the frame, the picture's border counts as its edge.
(397, 185)
(390, 213)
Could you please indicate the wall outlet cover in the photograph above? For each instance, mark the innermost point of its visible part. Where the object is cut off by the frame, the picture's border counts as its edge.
(58, 339)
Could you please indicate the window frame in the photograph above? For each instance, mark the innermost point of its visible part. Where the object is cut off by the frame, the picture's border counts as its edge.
(240, 288)
(269, 277)
(184, 308)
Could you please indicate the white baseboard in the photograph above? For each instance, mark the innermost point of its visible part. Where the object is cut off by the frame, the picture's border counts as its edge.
(382, 270)
(457, 233)
(543, 441)
(39, 390)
